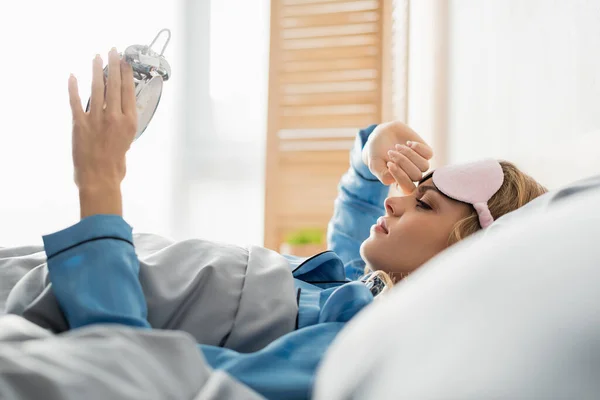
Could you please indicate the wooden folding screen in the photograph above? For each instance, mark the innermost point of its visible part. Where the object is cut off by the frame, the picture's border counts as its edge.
(330, 75)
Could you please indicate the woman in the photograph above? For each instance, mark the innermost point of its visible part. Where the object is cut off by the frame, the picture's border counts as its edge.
(264, 319)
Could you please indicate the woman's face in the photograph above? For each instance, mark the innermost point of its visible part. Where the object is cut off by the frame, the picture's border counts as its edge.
(414, 229)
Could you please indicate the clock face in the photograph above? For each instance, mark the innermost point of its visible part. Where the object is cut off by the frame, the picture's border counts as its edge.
(148, 86)
(147, 99)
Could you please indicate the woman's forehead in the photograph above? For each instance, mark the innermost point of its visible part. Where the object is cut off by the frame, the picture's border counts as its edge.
(426, 185)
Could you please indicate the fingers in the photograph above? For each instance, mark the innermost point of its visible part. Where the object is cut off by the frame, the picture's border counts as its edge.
(406, 184)
(420, 162)
(128, 105)
(97, 100)
(406, 165)
(74, 99)
(380, 170)
(113, 90)
(422, 149)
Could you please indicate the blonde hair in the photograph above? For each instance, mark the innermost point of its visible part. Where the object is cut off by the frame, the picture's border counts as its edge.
(517, 190)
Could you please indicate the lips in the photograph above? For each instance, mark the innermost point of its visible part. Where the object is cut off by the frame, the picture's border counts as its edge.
(381, 223)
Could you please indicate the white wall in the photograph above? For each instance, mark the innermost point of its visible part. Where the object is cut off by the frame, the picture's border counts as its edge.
(427, 74)
(524, 85)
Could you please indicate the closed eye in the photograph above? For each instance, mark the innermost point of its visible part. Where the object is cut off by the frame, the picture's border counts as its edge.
(423, 205)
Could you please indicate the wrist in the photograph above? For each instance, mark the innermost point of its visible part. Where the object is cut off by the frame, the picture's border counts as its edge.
(100, 199)
(357, 157)
(403, 133)
(99, 187)
(364, 135)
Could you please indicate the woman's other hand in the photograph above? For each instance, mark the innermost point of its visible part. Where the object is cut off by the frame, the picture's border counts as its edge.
(396, 154)
(103, 135)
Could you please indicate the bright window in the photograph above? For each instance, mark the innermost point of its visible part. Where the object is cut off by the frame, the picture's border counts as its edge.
(44, 41)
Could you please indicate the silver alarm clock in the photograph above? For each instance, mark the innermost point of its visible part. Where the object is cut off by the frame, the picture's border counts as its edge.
(150, 70)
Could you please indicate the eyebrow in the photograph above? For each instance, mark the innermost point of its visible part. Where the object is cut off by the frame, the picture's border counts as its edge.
(426, 177)
(424, 188)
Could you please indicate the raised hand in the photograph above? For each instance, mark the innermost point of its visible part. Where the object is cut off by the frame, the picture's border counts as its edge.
(396, 154)
(103, 135)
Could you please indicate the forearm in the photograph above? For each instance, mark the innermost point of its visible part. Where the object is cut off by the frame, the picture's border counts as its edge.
(359, 182)
(358, 204)
(94, 200)
(94, 272)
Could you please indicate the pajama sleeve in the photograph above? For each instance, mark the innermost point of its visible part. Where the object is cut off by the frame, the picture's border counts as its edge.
(93, 269)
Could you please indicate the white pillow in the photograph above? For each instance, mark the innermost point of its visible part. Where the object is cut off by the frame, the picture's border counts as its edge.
(510, 314)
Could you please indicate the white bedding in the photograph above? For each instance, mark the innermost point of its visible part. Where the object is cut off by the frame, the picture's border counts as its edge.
(106, 362)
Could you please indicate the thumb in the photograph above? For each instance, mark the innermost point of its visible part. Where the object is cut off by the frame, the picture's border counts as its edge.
(379, 168)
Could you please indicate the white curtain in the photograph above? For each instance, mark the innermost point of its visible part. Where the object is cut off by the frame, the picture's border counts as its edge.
(42, 42)
(226, 129)
(197, 171)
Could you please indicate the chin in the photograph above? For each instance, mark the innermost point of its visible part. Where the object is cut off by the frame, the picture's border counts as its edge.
(367, 253)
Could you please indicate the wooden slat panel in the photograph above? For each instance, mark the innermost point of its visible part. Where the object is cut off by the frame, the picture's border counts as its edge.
(317, 133)
(334, 41)
(347, 109)
(329, 8)
(330, 76)
(295, 2)
(328, 54)
(293, 222)
(317, 186)
(316, 157)
(302, 146)
(316, 179)
(329, 87)
(305, 174)
(329, 98)
(327, 75)
(330, 19)
(336, 30)
(329, 65)
(349, 121)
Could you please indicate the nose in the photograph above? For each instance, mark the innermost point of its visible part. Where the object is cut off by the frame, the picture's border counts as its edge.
(394, 206)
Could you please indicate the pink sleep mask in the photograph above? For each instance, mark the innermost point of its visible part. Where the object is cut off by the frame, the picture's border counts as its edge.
(474, 183)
